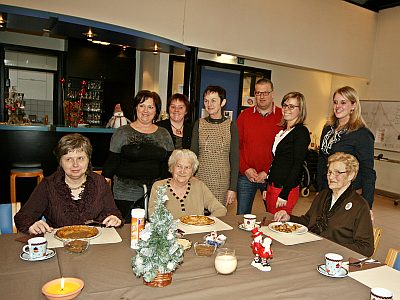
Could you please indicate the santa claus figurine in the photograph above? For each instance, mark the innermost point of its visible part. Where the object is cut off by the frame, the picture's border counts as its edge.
(262, 250)
(118, 119)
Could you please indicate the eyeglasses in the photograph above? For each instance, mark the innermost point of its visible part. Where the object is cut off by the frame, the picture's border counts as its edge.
(290, 106)
(259, 94)
(335, 173)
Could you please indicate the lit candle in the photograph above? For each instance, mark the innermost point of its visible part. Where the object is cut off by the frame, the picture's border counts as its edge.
(62, 283)
(63, 286)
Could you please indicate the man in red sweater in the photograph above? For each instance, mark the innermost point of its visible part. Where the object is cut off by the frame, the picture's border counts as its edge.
(257, 128)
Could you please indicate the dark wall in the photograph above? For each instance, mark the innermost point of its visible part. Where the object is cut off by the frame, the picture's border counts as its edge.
(108, 63)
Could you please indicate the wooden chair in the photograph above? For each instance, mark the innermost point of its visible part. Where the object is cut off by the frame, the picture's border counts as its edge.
(377, 238)
(23, 172)
(393, 258)
(7, 213)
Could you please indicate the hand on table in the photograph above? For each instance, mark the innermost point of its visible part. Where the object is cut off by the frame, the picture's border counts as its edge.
(112, 221)
(280, 202)
(230, 197)
(281, 216)
(40, 227)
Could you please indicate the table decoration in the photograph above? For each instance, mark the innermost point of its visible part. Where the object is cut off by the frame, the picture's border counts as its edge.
(215, 239)
(158, 253)
(262, 250)
(63, 288)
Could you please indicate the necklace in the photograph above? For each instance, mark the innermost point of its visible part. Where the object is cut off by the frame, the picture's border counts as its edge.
(78, 187)
(178, 130)
(181, 200)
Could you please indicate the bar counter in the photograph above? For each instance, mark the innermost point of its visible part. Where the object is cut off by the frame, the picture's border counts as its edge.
(35, 143)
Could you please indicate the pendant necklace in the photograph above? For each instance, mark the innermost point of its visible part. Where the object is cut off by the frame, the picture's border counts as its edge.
(178, 131)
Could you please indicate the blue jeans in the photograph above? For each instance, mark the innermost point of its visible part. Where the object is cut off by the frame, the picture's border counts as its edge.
(246, 191)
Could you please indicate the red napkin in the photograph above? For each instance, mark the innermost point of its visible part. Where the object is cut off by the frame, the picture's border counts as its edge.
(363, 266)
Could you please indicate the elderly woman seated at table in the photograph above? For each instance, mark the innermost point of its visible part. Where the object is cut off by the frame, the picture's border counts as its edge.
(339, 213)
(187, 196)
(72, 195)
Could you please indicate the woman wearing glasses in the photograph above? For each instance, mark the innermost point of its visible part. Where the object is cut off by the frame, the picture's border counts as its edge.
(339, 213)
(347, 132)
(289, 150)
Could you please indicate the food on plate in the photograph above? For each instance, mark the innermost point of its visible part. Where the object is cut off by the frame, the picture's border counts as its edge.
(76, 232)
(286, 227)
(197, 220)
(186, 244)
(76, 246)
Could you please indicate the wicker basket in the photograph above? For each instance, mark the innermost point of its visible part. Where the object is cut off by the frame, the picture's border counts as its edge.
(161, 280)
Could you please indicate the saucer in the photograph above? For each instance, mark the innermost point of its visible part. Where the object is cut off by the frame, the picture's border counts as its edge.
(49, 254)
(343, 272)
(241, 226)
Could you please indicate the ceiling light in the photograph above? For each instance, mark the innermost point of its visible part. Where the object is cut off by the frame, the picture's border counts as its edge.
(100, 43)
(89, 35)
(155, 49)
(2, 21)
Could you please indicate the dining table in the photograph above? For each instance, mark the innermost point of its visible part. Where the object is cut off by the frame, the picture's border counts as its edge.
(107, 273)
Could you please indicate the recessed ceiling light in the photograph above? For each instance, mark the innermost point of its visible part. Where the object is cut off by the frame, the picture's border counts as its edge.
(89, 35)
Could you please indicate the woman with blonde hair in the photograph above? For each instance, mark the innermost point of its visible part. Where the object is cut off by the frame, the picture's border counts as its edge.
(289, 151)
(347, 132)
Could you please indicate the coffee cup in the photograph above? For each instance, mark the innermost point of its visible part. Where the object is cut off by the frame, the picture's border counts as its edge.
(381, 293)
(36, 248)
(333, 263)
(249, 221)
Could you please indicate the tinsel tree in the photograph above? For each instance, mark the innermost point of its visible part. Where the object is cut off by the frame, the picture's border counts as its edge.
(158, 249)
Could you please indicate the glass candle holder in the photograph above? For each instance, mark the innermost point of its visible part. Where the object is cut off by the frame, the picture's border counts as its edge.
(225, 261)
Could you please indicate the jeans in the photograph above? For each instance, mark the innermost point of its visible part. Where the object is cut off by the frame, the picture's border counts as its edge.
(246, 191)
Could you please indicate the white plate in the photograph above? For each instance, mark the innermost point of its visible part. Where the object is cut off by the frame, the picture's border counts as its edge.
(303, 229)
(49, 254)
(241, 226)
(343, 272)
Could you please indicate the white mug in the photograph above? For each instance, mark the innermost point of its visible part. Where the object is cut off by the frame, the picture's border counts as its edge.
(381, 293)
(249, 221)
(333, 263)
(36, 248)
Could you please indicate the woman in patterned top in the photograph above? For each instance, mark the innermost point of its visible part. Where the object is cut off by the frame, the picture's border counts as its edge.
(347, 132)
(138, 153)
(216, 143)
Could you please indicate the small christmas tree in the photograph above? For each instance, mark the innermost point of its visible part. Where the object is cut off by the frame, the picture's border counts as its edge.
(158, 250)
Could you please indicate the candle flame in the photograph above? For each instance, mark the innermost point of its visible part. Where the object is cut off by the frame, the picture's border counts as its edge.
(62, 283)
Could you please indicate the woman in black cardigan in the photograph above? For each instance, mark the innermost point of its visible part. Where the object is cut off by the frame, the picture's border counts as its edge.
(289, 150)
(178, 124)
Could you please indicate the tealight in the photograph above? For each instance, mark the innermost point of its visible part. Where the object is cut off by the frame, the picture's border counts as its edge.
(63, 288)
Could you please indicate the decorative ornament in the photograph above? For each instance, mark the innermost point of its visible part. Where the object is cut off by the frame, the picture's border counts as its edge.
(15, 106)
(159, 253)
(262, 250)
(118, 119)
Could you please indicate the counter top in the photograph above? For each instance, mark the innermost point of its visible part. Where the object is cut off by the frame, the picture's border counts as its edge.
(29, 127)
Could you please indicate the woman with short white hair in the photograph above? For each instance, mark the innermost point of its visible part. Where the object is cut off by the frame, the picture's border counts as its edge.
(185, 195)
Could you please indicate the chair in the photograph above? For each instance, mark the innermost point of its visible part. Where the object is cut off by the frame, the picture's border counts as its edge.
(23, 170)
(393, 258)
(377, 238)
(7, 213)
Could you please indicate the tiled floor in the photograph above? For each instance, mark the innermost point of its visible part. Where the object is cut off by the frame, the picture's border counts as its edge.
(386, 214)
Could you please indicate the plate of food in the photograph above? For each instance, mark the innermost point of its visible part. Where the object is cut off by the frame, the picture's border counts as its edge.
(288, 227)
(77, 232)
(197, 220)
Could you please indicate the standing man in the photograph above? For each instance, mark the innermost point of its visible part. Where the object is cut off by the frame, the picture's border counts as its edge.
(257, 126)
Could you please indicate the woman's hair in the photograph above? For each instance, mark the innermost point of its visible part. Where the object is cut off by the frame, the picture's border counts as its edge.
(301, 102)
(356, 121)
(72, 142)
(183, 153)
(142, 96)
(349, 160)
(183, 98)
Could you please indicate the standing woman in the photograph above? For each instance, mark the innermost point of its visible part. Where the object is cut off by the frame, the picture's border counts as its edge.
(215, 142)
(138, 153)
(347, 132)
(178, 124)
(289, 150)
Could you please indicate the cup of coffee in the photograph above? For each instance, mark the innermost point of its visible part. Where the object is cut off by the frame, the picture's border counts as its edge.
(249, 221)
(381, 293)
(36, 248)
(333, 263)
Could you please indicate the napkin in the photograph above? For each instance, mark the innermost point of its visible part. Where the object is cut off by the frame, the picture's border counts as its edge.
(369, 264)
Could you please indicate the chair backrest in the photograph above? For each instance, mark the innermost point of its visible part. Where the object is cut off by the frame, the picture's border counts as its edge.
(7, 213)
(377, 238)
(393, 258)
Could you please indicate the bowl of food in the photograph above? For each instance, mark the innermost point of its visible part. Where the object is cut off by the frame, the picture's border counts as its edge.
(76, 245)
(204, 249)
